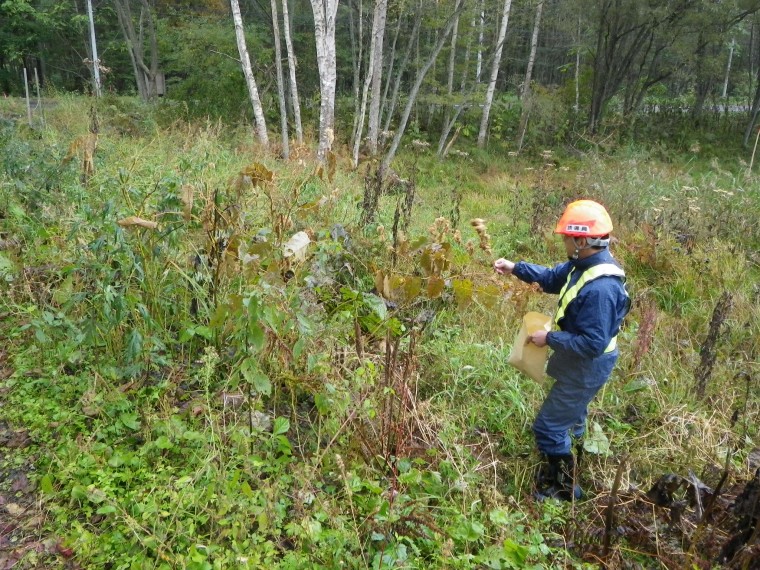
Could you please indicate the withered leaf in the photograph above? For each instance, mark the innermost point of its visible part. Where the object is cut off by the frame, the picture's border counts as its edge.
(187, 201)
(435, 287)
(462, 291)
(258, 173)
(135, 221)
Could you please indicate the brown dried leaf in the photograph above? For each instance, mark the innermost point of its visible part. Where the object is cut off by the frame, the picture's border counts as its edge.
(135, 221)
(332, 165)
(379, 281)
(14, 509)
(258, 173)
(187, 201)
(435, 287)
(412, 288)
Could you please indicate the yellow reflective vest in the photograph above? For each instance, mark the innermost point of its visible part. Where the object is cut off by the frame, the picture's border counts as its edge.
(569, 292)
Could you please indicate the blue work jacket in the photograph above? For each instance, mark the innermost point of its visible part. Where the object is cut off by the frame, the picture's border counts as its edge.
(590, 322)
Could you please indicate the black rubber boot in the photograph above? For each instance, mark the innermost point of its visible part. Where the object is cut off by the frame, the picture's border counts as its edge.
(554, 479)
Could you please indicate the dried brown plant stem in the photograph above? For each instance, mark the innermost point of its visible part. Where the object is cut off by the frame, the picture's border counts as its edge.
(609, 518)
(707, 350)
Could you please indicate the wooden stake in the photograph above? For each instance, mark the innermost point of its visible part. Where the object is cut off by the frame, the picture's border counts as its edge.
(28, 103)
(39, 99)
(752, 160)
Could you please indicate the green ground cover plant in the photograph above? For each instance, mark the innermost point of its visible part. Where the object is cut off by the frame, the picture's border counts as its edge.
(185, 386)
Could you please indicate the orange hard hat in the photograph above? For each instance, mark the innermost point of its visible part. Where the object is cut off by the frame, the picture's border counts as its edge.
(584, 218)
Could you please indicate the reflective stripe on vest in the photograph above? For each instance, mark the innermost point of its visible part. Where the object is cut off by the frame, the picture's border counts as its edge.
(569, 293)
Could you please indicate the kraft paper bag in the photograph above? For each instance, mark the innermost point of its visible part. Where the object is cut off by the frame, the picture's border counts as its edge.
(526, 356)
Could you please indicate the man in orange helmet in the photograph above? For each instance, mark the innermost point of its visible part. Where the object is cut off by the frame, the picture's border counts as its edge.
(592, 304)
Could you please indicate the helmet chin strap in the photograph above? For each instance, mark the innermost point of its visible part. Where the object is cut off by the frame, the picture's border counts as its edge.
(590, 242)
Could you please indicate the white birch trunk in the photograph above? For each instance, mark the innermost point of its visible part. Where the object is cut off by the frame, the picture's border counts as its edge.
(577, 106)
(728, 68)
(416, 88)
(94, 47)
(378, 35)
(467, 51)
(245, 61)
(479, 66)
(325, 12)
(494, 73)
(292, 68)
(357, 51)
(525, 95)
(280, 81)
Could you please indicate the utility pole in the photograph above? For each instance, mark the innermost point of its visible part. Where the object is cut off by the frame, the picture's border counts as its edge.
(95, 60)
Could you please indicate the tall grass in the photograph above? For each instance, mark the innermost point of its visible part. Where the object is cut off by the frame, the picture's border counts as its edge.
(199, 399)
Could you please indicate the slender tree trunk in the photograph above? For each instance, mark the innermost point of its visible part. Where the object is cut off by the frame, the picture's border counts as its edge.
(750, 62)
(357, 51)
(728, 68)
(598, 84)
(378, 35)
(391, 62)
(134, 47)
(402, 67)
(754, 111)
(280, 81)
(94, 48)
(494, 73)
(468, 49)
(325, 12)
(577, 107)
(292, 68)
(416, 88)
(525, 96)
(152, 73)
(479, 66)
(245, 61)
(359, 120)
(449, 88)
(145, 75)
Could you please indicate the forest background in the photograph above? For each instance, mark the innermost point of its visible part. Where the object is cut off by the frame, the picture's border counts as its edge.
(247, 302)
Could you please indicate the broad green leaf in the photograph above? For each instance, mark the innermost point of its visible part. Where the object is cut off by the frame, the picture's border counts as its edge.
(376, 305)
(134, 345)
(164, 442)
(64, 291)
(281, 425)
(106, 509)
(515, 553)
(298, 348)
(262, 384)
(596, 442)
(462, 291)
(499, 517)
(468, 530)
(130, 421)
(256, 336)
(246, 490)
(46, 484)
(204, 332)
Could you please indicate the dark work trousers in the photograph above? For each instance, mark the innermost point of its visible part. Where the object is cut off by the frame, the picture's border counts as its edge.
(577, 381)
